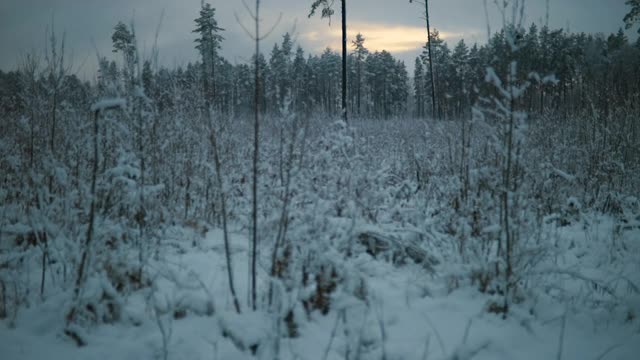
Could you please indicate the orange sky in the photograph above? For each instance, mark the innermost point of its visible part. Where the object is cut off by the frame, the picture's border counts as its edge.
(378, 37)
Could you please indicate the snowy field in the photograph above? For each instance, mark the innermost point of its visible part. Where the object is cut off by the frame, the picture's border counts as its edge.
(293, 202)
(409, 313)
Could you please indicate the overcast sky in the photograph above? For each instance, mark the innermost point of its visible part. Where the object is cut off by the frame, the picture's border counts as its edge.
(394, 25)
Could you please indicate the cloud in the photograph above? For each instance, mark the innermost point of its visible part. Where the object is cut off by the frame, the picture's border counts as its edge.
(386, 24)
(391, 37)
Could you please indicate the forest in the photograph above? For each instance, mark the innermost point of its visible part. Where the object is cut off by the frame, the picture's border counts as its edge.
(325, 205)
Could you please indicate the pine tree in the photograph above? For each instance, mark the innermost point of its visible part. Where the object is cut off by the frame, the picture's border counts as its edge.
(276, 67)
(124, 41)
(617, 41)
(399, 89)
(437, 54)
(459, 93)
(418, 88)
(147, 77)
(360, 55)
(280, 75)
(209, 42)
(634, 14)
(264, 73)
(208, 45)
(300, 79)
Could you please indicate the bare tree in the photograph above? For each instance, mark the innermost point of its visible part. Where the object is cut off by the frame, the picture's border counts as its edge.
(30, 70)
(433, 83)
(344, 60)
(256, 158)
(84, 260)
(223, 205)
(327, 12)
(56, 71)
(208, 44)
(255, 16)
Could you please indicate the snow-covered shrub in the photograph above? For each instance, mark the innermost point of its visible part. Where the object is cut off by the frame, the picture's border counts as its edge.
(571, 211)
(493, 211)
(100, 303)
(327, 197)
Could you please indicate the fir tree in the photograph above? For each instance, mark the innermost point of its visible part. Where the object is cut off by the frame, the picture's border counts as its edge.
(360, 52)
(208, 44)
(634, 14)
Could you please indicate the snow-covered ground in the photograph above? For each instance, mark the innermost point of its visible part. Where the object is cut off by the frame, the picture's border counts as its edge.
(409, 314)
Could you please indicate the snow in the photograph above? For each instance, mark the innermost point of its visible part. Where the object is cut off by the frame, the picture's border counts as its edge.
(108, 104)
(410, 314)
(564, 175)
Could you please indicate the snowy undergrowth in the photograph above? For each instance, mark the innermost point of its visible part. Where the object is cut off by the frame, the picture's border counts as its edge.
(369, 268)
(585, 292)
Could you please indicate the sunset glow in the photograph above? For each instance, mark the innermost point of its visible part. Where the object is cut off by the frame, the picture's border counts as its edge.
(393, 38)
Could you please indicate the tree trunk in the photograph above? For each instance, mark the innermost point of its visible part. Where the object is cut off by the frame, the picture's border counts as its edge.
(344, 60)
(256, 155)
(225, 228)
(88, 239)
(433, 83)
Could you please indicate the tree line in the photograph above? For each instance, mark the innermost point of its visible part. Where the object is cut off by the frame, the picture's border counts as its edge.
(592, 71)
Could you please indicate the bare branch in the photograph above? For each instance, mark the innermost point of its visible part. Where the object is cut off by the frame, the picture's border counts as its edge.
(272, 28)
(246, 31)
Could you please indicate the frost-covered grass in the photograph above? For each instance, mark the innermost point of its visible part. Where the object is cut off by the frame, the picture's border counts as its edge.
(409, 313)
(364, 204)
